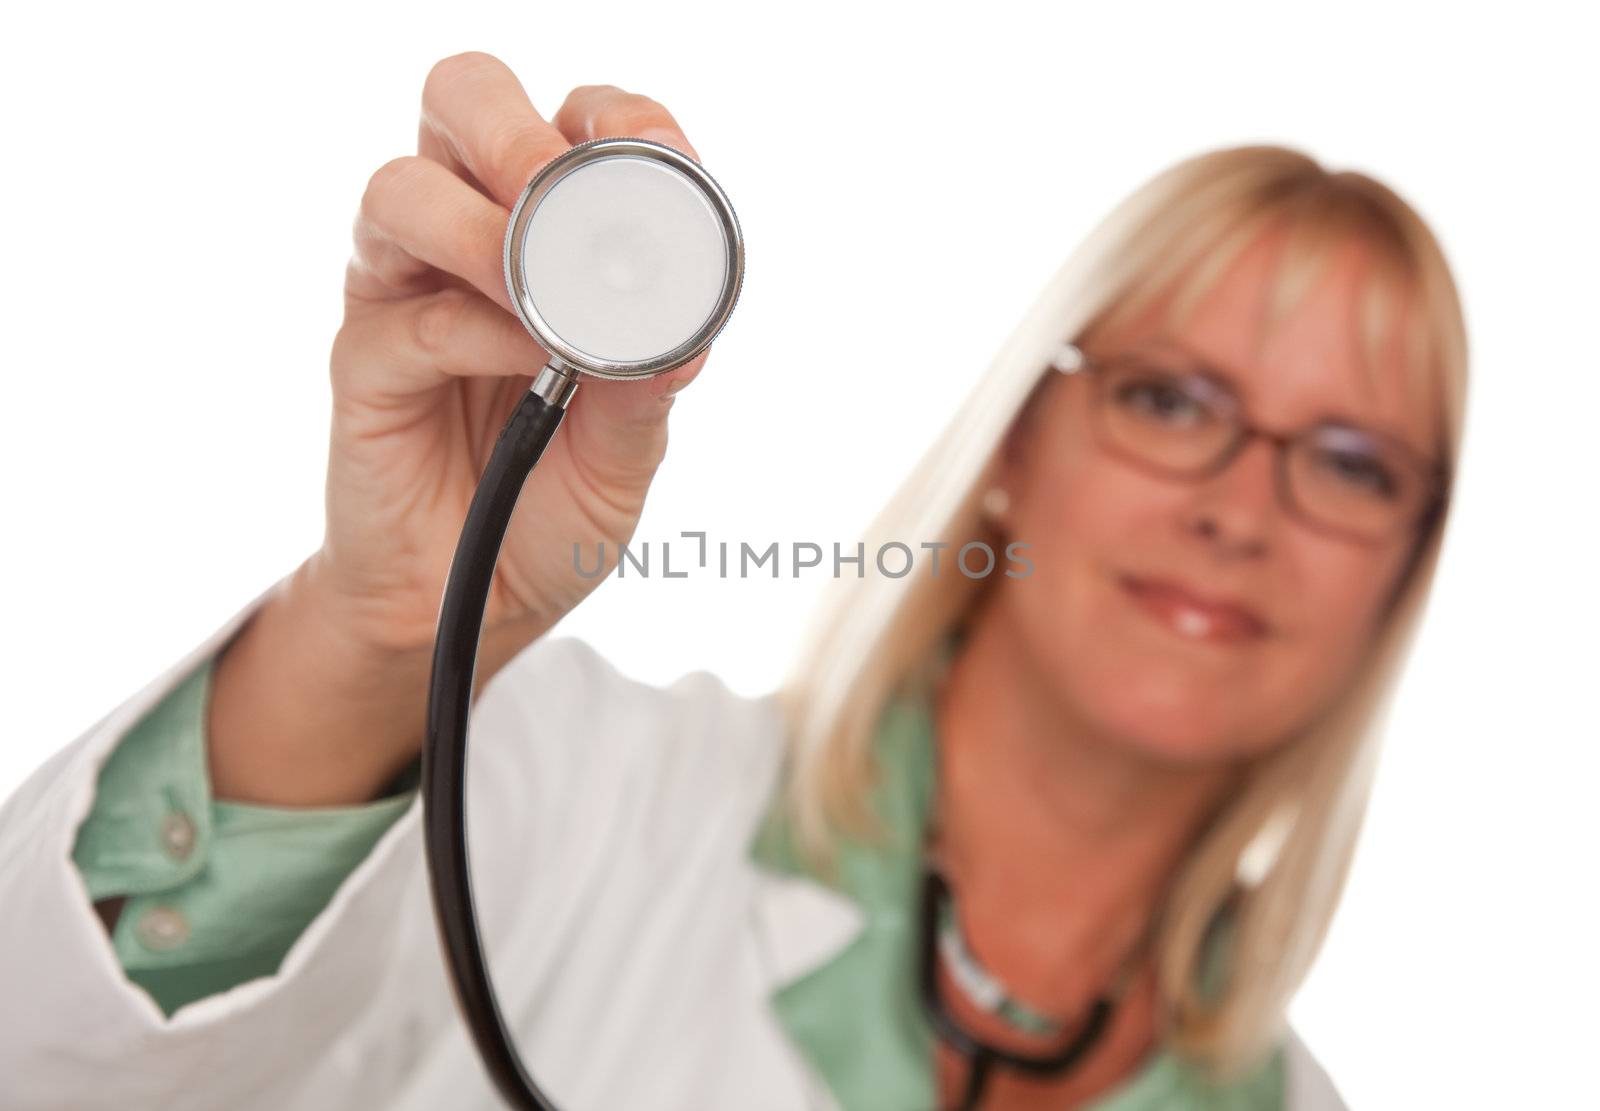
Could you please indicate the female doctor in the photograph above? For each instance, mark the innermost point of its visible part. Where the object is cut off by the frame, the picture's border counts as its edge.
(1106, 806)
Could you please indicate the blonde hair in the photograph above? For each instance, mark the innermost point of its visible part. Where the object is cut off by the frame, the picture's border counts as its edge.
(1279, 849)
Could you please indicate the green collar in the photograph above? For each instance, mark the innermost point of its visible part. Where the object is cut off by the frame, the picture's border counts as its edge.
(858, 1017)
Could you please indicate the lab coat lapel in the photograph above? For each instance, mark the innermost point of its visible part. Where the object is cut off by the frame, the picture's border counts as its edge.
(805, 924)
(841, 954)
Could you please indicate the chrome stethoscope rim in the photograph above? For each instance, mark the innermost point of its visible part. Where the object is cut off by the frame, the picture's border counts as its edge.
(563, 353)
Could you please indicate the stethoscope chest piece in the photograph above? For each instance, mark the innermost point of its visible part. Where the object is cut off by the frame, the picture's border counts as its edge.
(623, 258)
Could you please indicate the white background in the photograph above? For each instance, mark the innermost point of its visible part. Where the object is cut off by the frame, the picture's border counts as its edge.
(178, 194)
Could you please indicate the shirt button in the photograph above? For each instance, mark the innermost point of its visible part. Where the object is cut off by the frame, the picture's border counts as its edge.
(177, 835)
(163, 928)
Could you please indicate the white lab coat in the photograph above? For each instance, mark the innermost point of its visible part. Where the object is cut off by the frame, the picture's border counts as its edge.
(633, 942)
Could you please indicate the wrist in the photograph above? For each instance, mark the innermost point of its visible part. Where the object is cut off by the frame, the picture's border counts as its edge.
(304, 712)
(372, 645)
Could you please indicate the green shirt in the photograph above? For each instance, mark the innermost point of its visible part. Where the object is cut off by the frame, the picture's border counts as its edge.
(217, 893)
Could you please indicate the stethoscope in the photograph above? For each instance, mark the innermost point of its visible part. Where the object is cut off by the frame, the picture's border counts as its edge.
(982, 1056)
(624, 259)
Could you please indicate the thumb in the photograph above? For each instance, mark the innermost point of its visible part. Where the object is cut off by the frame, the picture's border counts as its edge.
(618, 429)
(629, 406)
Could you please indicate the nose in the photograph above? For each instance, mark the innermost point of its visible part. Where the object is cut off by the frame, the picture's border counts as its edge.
(1234, 510)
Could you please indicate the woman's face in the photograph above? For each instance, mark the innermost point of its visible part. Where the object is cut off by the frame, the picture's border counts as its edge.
(1120, 554)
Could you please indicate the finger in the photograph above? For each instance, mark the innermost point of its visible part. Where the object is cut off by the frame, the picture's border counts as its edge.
(602, 111)
(480, 112)
(417, 217)
(611, 411)
(431, 145)
(407, 347)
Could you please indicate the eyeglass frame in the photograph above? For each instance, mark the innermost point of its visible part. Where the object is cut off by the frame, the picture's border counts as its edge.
(1070, 359)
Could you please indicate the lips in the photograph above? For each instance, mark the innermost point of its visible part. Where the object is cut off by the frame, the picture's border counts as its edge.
(1193, 615)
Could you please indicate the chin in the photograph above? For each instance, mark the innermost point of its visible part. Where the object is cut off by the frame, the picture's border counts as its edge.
(1169, 717)
(1139, 686)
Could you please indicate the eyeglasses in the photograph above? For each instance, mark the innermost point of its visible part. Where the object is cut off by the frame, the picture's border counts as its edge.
(1339, 478)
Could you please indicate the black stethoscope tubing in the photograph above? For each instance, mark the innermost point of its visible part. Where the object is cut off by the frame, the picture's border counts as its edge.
(444, 754)
(522, 440)
(983, 1056)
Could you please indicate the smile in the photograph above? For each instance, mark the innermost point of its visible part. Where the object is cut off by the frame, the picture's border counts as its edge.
(1192, 616)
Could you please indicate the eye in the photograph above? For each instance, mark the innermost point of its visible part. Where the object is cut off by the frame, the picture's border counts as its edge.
(1160, 398)
(1360, 471)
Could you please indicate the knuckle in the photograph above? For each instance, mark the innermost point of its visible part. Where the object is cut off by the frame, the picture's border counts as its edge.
(634, 112)
(611, 110)
(448, 70)
(520, 148)
(387, 182)
(437, 320)
(339, 359)
(348, 353)
(582, 91)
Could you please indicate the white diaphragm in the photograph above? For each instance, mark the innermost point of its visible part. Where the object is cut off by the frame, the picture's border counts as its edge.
(623, 258)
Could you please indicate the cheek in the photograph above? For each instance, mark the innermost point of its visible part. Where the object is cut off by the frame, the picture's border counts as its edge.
(1340, 587)
(1076, 510)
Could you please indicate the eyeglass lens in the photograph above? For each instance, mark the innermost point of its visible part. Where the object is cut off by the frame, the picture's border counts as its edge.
(1339, 476)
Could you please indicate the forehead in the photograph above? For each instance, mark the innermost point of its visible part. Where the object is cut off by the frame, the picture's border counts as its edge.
(1304, 334)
